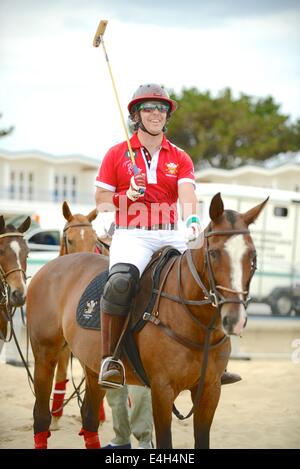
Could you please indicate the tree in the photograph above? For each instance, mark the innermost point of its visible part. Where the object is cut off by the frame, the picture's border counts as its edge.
(5, 132)
(230, 132)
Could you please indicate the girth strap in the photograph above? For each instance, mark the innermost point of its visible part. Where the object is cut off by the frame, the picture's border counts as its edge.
(187, 343)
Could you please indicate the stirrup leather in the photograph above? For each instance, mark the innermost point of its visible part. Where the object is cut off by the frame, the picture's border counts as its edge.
(110, 368)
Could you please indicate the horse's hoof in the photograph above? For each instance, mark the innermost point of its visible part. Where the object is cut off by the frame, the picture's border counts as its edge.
(55, 423)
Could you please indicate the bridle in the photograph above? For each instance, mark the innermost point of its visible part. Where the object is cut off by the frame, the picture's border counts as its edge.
(213, 295)
(68, 227)
(3, 274)
(6, 308)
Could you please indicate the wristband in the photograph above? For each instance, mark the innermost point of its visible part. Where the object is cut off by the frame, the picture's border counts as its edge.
(192, 219)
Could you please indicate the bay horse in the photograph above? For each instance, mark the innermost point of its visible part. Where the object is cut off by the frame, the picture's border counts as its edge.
(78, 236)
(185, 342)
(13, 263)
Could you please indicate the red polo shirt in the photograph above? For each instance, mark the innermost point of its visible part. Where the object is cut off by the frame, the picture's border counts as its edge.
(169, 167)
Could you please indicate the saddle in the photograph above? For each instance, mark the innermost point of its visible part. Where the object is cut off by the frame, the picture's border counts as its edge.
(88, 310)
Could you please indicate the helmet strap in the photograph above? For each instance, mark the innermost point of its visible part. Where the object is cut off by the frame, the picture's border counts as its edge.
(143, 128)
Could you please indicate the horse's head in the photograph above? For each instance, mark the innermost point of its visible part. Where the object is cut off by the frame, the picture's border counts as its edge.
(231, 261)
(78, 235)
(13, 257)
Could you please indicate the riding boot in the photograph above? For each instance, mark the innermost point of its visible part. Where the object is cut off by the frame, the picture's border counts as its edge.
(112, 372)
(230, 378)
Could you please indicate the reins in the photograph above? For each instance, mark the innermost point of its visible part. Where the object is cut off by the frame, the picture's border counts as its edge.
(211, 295)
(7, 310)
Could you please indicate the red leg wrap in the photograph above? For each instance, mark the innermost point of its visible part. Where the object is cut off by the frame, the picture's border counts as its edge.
(58, 398)
(102, 416)
(40, 440)
(91, 439)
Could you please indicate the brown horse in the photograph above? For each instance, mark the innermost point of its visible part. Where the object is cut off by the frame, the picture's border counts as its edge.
(202, 301)
(78, 236)
(13, 258)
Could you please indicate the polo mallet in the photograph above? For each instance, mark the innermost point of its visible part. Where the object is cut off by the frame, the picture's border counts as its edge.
(98, 39)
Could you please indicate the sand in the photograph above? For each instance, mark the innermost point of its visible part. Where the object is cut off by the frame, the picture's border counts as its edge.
(262, 411)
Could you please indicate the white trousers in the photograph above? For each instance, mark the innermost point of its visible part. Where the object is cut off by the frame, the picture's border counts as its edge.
(137, 246)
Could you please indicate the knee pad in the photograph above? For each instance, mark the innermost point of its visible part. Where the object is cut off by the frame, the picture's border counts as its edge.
(120, 289)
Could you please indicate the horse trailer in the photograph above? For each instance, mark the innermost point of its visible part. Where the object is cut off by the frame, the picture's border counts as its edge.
(276, 235)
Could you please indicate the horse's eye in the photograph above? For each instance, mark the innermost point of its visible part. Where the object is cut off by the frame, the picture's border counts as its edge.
(214, 254)
(1, 252)
(70, 241)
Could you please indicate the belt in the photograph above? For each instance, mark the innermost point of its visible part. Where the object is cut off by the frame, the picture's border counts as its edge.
(162, 226)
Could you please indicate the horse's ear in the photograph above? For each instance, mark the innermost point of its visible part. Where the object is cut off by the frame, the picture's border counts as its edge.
(25, 225)
(252, 214)
(66, 211)
(2, 224)
(216, 207)
(92, 215)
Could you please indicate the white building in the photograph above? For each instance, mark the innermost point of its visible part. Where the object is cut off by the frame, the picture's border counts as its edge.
(279, 172)
(37, 183)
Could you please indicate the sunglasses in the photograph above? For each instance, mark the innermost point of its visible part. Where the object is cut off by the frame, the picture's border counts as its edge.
(150, 107)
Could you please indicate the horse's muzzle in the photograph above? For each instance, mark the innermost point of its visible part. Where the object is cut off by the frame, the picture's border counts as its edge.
(234, 324)
(17, 298)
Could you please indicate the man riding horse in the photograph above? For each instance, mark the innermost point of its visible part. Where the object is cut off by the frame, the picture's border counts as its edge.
(145, 202)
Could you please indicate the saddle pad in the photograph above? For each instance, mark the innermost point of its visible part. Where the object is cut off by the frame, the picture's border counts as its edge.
(88, 309)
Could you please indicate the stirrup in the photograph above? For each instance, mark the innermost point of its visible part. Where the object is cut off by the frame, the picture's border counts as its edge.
(110, 368)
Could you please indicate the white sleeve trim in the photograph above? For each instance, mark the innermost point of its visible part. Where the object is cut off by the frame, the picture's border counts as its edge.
(105, 186)
(181, 181)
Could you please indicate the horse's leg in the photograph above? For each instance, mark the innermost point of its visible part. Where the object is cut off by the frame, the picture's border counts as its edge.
(162, 403)
(204, 414)
(45, 361)
(90, 410)
(60, 387)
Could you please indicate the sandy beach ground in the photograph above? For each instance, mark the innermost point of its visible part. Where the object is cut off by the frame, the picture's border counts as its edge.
(262, 411)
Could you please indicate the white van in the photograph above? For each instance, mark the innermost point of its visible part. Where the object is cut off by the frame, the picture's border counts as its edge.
(276, 235)
(43, 246)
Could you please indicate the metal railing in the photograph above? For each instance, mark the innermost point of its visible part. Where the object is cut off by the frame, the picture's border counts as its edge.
(44, 195)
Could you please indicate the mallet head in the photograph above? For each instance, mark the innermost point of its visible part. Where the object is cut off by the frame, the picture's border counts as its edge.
(99, 33)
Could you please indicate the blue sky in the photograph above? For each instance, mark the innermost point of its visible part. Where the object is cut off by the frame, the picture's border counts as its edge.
(55, 86)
